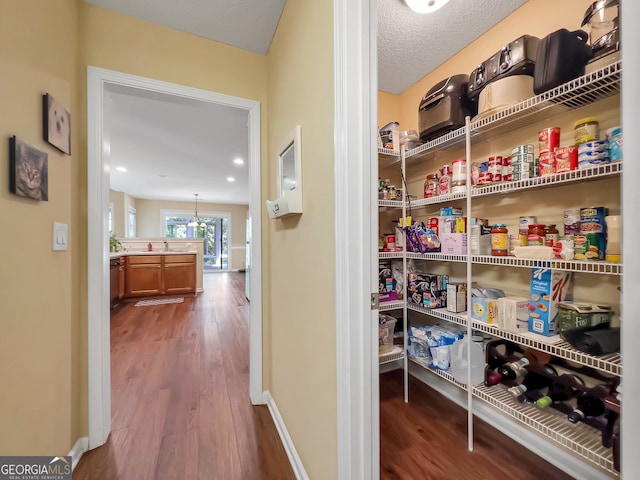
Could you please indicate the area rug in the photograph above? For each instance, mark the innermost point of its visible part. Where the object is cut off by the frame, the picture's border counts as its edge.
(159, 301)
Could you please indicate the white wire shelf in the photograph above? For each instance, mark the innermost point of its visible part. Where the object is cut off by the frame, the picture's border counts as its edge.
(390, 203)
(582, 266)
(582, 91)
(579, 438)
(427, 150)
(386, 306)
(611, 363)
(441, 313)
(441, 373)
(395, 354)
(577, 93)
(450, 197)
(587, 174)
(387, 157)
(436, 256)
(389, 255)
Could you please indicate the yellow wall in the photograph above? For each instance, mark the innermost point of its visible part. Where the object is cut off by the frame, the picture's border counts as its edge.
(302, 251)
(117, 198)
(388, 108)
(149, 222)
(40, 317)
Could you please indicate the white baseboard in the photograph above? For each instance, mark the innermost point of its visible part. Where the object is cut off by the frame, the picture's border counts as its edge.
(78, 449)
(289, 447)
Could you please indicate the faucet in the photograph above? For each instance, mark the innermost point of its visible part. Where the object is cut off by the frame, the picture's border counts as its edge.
(166, 246)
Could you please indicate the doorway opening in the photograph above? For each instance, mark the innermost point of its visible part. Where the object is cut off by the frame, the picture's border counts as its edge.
(99, 81)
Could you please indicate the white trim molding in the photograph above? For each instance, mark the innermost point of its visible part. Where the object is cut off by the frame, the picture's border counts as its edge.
(78, 449)
(98, 164)
(355, 116)
(287, 443)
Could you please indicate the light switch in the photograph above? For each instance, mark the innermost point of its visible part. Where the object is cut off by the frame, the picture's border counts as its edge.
(60, 231)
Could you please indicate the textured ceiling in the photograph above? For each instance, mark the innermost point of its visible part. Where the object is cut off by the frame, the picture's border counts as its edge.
(191, 143)
(411, 45)
(246, 24)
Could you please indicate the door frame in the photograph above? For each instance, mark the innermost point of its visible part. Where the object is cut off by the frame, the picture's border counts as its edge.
(356, 172)
(98, 168)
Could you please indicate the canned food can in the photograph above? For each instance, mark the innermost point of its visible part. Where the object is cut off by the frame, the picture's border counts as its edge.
(522, 158)
(446, 170)
(549, 139)
(459, 189)
(459, 170)
(514, 241)
(590, 243)
(522, 149)
(475, 173)
(566, 159)
(547, 164)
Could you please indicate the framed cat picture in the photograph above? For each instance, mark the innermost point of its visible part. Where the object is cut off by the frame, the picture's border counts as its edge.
(56, 124)
(28, 170)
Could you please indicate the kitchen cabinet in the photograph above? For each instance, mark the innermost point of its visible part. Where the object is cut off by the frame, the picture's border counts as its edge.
(143, 275)
(598, 185)
(179, 274)
(149, 275)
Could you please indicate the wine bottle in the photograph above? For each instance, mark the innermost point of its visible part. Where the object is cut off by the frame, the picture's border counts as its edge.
(508, 371)
(562, 389)
(532, 381)
(589, 403)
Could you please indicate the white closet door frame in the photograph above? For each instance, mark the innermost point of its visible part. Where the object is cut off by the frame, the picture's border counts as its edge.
(356, 161)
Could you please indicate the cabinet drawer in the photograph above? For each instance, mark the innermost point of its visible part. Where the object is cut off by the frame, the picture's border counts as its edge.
(180, 259)
(144, 259)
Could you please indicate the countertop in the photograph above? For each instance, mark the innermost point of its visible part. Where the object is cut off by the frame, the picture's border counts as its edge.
(154, 252)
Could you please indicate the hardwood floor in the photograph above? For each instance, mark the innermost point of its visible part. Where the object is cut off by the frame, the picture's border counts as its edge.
(426, 439)
(180, 394)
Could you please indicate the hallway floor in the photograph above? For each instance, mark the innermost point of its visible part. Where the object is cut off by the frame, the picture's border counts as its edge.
(180, 394)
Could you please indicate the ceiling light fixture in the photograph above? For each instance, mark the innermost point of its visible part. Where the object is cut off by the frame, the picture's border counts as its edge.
(231, 179)
(238, 161)
(425, 6)
(121, 169)
(194, 220)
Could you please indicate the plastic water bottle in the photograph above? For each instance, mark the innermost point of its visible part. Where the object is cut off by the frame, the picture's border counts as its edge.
(459, 360)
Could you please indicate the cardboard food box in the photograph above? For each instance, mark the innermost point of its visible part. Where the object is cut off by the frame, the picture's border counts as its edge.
(484, 309)
(453, 243)
(513, 314)
(427, 290)
(386, 283)
(547, 288)
(457, 297)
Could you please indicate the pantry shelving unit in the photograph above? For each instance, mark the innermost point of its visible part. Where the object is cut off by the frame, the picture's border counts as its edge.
(578, 441)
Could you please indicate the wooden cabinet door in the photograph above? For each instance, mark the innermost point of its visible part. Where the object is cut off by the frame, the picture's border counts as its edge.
(144, 275)
(179, 274)
(121, 282)
(113, 290)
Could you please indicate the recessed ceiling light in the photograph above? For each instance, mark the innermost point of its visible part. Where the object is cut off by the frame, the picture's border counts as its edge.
(425, 6)
(231, 179)
(121, 169)
(238, 161)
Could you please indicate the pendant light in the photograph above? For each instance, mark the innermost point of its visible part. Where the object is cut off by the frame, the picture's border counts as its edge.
(425, 6)
(194, 220)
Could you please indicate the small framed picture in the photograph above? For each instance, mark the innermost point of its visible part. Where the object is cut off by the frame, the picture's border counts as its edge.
(56, 124)
(28, 170)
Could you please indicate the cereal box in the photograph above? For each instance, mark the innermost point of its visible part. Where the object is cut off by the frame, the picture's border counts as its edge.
(484, 309)
(547, 288)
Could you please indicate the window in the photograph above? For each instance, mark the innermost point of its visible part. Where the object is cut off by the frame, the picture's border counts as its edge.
(131, 223)
(111, 218)
(214, 234)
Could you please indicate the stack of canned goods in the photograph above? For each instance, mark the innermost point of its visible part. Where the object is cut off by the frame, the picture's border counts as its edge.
(522, 162)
